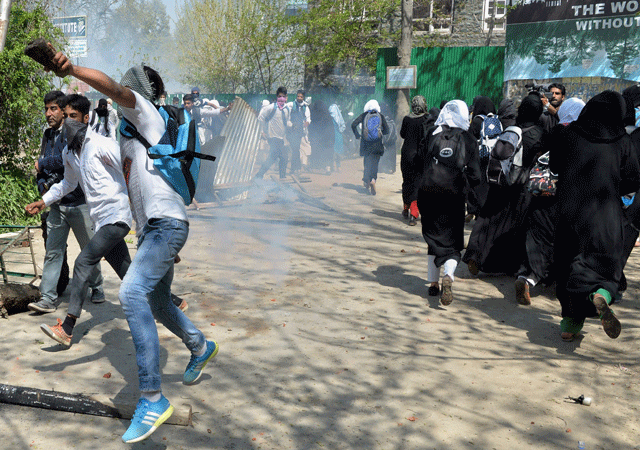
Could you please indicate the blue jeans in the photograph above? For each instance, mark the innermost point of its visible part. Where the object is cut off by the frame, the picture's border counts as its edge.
(59, 221)
(145, 294)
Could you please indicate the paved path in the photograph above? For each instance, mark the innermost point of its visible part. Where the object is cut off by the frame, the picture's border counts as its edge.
(328, 341)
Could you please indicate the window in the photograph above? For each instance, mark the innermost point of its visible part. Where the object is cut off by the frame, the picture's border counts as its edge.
(432, 16)
(496, 10)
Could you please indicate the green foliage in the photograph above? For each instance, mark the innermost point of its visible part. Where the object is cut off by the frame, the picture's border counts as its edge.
(136, 31)
(235, 46)
(343, 36)
(18, 190)
(23, 85)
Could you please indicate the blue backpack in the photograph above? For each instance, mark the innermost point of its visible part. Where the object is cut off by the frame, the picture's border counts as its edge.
(175, 154)
(372, 126)
(491, 129)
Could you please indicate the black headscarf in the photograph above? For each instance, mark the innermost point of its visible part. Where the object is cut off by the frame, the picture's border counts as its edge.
(601, 120)
(507, 113)
(631, 96)
(530, 109)
(483, 106)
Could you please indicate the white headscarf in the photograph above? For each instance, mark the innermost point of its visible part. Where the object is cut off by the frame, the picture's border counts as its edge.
(372, 105)
(570, 110)
(455, 114)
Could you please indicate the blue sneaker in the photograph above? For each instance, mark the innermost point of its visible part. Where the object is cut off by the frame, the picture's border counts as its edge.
(147, 418)
(197, 363)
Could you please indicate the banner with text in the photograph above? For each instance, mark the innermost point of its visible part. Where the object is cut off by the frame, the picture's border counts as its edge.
(75, 30)
(573, 38)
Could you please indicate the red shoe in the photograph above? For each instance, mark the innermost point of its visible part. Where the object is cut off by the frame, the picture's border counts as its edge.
(57, 333)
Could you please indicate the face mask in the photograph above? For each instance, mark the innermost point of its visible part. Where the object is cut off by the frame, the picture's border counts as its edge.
(300, 102)
(74, 132)
(281, 102)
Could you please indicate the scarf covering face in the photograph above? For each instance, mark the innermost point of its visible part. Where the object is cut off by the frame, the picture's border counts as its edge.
(137, 80)
(372, 105)
(454, 114)
(570, 110)
(601, 118)
(418, 106)
(281, 101)
(74, 133)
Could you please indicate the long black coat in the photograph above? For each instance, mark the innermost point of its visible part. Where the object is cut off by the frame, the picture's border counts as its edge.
(596, 164)
(443, 214)
(413, 130)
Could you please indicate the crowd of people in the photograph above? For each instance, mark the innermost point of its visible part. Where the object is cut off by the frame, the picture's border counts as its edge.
(552, 194)
(550, 185)
(100, 188)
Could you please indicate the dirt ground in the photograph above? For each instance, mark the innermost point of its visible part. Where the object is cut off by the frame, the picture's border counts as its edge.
(329, 341)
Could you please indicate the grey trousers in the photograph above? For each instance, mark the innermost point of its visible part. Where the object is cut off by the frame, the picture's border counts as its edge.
(109, 243)
(60, 220)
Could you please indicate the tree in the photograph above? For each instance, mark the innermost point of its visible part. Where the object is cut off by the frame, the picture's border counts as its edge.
(235, 45)
(342, 37)
(23, 85)
(137, 31)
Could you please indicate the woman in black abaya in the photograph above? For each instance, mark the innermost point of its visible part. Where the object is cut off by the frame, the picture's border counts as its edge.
(413, 130)
(497, 241)
(596, 164)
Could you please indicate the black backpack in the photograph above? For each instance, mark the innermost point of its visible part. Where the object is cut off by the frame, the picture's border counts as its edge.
(505, 166)
(445, 162)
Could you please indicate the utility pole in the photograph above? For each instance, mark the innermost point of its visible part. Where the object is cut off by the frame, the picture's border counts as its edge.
(404, 59)
(5, 9)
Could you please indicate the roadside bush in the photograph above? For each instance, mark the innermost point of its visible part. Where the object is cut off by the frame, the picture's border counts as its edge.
(17, 191)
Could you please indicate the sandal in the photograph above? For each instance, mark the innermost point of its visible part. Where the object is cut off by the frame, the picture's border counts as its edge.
(569, 337)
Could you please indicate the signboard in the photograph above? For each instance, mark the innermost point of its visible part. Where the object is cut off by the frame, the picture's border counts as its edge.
(573, 38)
(401, 77)
(74, 29)
(295, 6)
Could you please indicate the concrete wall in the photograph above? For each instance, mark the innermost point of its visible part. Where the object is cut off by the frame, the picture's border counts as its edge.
(467, 26)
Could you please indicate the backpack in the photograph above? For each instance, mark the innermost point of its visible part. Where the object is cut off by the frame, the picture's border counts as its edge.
(489, 132)
(272, 113)
(372, 126)
(542, 182)
(445, 162)
(390, 138)
(174, 156)
(505, 166)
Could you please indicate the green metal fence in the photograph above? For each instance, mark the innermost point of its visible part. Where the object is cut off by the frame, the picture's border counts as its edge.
(448, 73)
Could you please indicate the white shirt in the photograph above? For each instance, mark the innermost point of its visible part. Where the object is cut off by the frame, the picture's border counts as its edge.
(275, 127)
(152, 197)
(98, 169)
(307, 113)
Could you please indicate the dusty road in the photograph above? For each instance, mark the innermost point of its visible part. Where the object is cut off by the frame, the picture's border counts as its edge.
(329, 341)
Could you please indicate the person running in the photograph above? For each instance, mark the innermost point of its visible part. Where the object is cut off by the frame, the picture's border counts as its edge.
(450, 161)
(162, 228)
(596, 164)
(374, 126)
(413, 130)
(92, 161)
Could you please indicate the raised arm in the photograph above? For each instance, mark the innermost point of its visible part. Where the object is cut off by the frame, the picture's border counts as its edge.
(98, 80)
